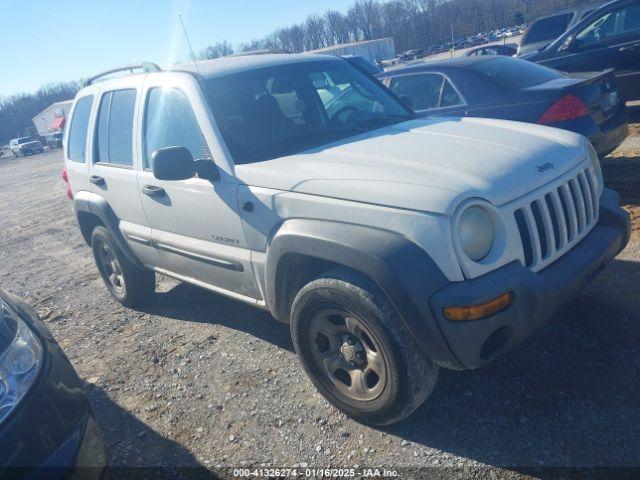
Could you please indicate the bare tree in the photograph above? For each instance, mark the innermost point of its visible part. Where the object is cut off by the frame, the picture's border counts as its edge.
(365, 17)
(17, 111)
(314, 32)
(337, 27)
(220, 49)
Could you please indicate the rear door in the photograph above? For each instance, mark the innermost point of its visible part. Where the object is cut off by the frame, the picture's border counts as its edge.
(610, 40)
(112, 171)
(429, 94)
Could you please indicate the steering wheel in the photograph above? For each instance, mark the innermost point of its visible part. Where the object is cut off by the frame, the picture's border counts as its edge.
(342, 111)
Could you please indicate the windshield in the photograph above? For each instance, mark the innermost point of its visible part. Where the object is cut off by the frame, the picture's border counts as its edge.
(364, 65)
(25, 140)
(514, 74)
(547, 29)
(282, 110)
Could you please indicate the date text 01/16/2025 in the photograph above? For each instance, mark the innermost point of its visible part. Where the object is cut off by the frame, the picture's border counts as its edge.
(315, 472)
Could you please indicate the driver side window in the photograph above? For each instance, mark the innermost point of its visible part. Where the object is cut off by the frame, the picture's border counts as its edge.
(612, 25)
(170, 122)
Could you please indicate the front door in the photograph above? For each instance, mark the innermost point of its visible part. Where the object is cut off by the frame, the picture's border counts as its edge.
(195, 223)
(611, 40)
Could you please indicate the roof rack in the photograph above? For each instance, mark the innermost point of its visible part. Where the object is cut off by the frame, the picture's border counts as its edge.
(146, 67)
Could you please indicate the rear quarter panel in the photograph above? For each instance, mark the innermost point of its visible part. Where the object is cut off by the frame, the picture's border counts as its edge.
(487, 100)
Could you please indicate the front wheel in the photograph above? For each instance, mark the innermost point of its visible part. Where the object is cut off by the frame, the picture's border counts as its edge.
(356, 351)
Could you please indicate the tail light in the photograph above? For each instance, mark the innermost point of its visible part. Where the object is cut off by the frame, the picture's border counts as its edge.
(568, 107)
(65, 177)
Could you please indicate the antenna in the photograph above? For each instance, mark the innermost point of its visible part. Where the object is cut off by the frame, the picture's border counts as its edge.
(193, 55)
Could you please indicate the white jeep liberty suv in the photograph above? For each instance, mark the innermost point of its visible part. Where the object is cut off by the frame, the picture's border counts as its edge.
(392, 245)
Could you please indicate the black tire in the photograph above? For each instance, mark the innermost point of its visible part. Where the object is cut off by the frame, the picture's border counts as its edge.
(127, 283)
(409, 376)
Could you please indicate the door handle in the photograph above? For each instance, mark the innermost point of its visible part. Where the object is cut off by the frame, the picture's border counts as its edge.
(153, 190)
(96, 180)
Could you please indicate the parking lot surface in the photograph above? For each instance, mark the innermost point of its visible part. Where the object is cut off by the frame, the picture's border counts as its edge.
(196, 379)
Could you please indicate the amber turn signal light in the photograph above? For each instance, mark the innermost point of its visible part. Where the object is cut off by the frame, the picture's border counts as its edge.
(482, 310)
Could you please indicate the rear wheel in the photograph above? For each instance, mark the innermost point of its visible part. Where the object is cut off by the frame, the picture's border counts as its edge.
(126, 282)
(356, 351)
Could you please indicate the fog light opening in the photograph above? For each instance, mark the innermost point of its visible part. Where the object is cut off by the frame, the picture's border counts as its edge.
(479, 311)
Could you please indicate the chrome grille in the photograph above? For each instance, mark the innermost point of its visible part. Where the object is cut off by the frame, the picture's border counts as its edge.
(558, 219)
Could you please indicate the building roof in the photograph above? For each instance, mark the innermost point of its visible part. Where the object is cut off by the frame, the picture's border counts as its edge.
(52, 106)
(233, 64)
(352, 44)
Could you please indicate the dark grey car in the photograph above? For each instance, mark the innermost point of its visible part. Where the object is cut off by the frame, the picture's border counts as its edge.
(545, 30)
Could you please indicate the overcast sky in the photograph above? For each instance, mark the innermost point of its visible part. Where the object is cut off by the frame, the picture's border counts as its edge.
(46, 41)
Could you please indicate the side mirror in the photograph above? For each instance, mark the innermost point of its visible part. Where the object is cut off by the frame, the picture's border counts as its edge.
(176, 163)
(569, 45)
(173, 163)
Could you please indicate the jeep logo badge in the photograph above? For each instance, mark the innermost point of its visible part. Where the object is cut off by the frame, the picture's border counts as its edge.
(544, 167)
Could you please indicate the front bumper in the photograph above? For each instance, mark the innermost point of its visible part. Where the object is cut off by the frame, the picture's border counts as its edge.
(52, 433)
(536, 295)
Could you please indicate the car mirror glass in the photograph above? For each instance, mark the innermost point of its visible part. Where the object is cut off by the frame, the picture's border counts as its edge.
(172, 163)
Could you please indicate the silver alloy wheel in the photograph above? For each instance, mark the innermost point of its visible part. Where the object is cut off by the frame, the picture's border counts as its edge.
(347, 354)
(111, 267)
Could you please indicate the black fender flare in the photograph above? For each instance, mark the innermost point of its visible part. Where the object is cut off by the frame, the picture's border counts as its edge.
(95, 204)
(402, 270)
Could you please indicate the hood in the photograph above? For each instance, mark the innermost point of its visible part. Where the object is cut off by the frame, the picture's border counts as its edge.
(427, 164)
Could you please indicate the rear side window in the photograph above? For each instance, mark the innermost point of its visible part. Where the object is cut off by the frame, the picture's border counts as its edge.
(115, 128)
(170, 122)
(426, 91)
(450, 97)
(422, 90)
(78, 129)
(514, 74)
(547, 28)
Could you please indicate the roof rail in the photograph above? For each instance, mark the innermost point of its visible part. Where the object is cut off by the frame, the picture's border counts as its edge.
(264, 51)
(146, 67)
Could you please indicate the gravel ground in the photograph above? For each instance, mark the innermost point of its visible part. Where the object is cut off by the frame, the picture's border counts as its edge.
(199, 380)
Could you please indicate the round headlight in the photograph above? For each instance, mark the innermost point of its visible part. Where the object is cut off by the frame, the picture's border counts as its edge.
(475, 232)
(597, 170)
(20, 358)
